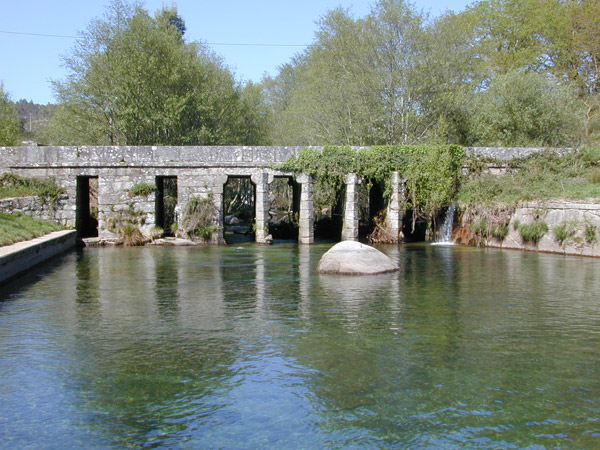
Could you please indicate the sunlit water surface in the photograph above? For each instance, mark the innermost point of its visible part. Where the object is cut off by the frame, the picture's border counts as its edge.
(247, 347)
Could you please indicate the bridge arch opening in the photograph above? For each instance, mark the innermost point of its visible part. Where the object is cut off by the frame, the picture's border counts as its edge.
(284, 208)
(165, 203)
(86, 208)
(239, 209)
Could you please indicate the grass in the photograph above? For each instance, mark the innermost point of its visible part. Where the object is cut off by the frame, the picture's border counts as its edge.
(12, 185)
(533, 232)
(19, 227)
(564, 232)
(545, 176)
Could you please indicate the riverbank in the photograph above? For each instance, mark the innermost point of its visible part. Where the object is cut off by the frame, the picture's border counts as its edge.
(560, 226)
(18, 258)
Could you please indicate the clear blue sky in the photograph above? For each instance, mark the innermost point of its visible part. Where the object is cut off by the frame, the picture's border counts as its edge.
(27, 63)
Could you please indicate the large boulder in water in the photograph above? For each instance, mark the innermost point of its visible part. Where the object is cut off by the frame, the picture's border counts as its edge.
(354, 258)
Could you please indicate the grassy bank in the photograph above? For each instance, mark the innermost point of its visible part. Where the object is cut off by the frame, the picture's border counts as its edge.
(12, 185)
(545, 176)
(18, 227)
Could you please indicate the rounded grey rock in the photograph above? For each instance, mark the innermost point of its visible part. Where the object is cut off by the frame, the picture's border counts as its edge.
(354, 258)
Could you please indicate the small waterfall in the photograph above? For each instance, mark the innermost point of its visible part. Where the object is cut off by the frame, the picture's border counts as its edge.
(446, 235)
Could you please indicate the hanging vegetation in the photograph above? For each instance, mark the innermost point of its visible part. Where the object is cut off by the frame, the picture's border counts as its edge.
(432, 172)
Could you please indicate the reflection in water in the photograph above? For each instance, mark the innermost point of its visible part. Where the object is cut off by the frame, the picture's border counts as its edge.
(260, 282)
(166, 279)
(247, 347)
(305, 275)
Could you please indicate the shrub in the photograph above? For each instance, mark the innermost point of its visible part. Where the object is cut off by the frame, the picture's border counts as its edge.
(480, 227)
(500, 231)
(591, 236)
(141, 190)
(199, 217)
(131, 235)
(156, 233)
(125, 223)
(563, 232)
(533, 232)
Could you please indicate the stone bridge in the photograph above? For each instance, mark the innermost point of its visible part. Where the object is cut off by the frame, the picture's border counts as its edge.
(199, 172)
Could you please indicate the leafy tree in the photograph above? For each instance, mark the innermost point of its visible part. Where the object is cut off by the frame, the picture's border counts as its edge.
(133, 80)
(9, 123)
(357, 83)
(526, 108)
(503, 72)
(34, 118)
(450, 74)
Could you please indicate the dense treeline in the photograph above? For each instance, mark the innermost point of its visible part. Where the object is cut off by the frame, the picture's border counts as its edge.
(502, 72)
(134, 80)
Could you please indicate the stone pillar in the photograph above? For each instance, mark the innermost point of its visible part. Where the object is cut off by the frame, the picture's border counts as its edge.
(350, 226)
(395, 210)
(262, 179)
(217, 194)
(306, 234)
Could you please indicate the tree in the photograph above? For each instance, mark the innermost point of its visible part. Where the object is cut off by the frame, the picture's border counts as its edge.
(357, 83)
(524, 108)
(10, 127)
(134, 80)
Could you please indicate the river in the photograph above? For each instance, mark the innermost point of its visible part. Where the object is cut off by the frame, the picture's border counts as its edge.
(247, 347)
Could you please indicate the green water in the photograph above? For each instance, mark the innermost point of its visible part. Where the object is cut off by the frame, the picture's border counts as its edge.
(247, 347)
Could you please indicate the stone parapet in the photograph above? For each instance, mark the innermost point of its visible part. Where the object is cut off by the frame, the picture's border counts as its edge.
(146, 156)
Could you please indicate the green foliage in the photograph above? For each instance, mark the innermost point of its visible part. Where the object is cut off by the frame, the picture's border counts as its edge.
(591, 233)
(18, 227)
(543, 176)
(524, 108)
(10, 128)
(564, 231)
(131, 235)
(142, 190)
(500, 231)
(12, 185)
(126, 223)
(534, 231)
(34, 119)
(350, 86)
(502, 72)
(431, 172)
(480, 227)
(156, 233)
(134, 80)
(199, 218)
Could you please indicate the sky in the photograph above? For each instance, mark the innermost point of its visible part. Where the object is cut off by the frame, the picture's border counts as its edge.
(28, 61)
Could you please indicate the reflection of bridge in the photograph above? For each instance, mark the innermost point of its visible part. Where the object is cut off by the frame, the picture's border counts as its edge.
(199, 171)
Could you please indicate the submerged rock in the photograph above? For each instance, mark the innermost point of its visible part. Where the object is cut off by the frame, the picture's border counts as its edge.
(354, 258)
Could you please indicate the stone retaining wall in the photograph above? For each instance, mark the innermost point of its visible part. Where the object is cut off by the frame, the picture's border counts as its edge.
(18, 258)
(575, 217)
(40, 208)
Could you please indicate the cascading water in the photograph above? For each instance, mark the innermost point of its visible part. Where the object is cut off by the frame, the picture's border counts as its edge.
(446, 234)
